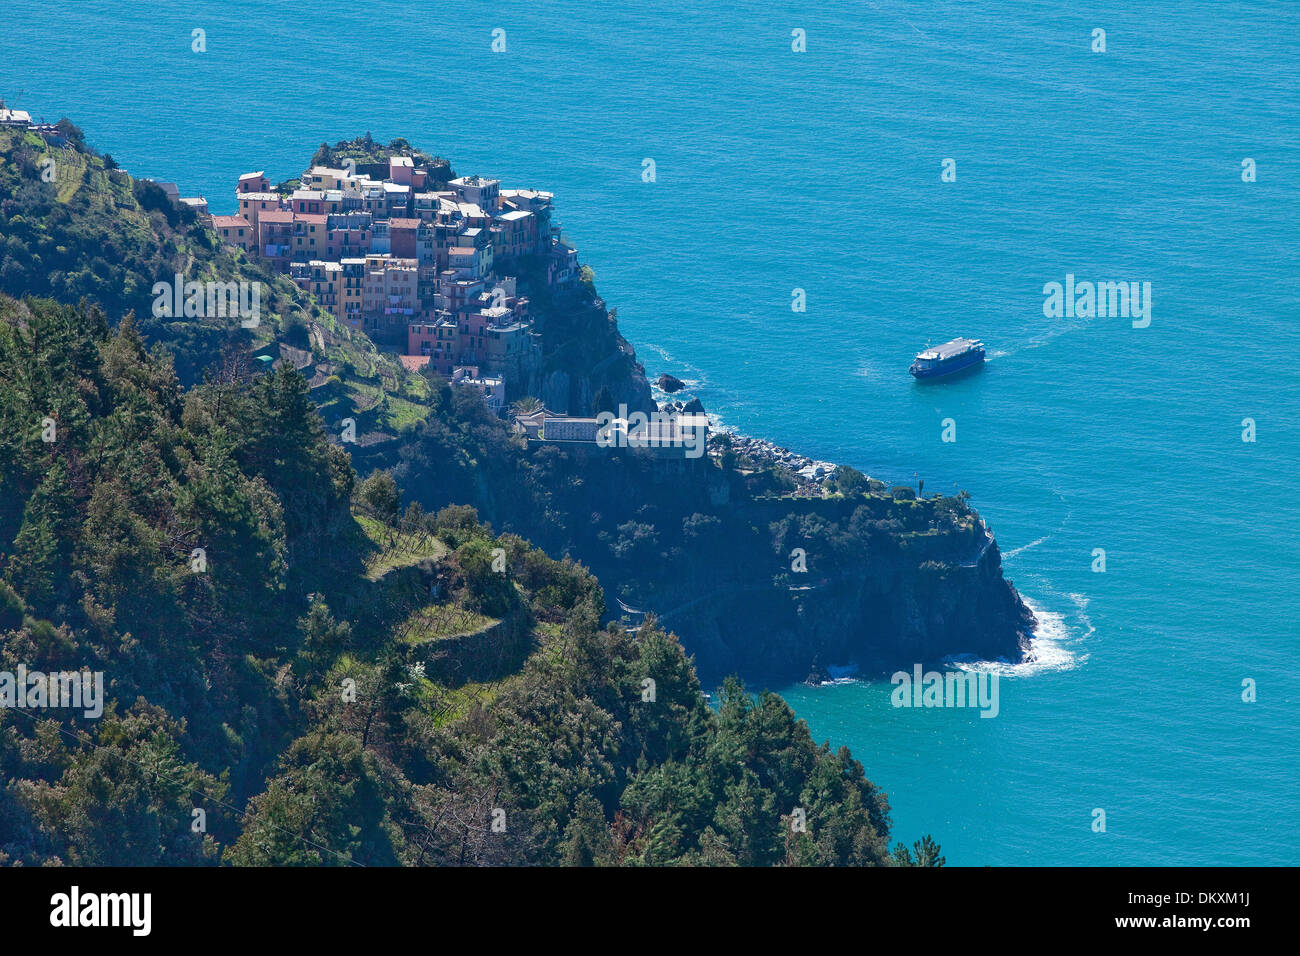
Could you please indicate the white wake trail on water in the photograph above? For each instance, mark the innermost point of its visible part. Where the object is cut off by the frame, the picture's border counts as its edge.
(1038, 341)
(663, 353)
(1069, 512)
(1081, 612)
(1007, 555)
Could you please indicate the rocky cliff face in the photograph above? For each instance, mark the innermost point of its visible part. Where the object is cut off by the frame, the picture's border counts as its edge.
(879, 582)
(882, 616)
(583, 356)
(575, 393)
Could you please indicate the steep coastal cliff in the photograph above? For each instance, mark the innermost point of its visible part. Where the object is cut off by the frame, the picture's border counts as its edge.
(755, 580)
(870, 618)
(584, 354)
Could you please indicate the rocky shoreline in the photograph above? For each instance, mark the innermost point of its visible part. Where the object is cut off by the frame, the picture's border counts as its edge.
(807, 470)
(810, 472)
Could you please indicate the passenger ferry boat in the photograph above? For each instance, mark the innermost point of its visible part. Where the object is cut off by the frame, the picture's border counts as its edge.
(947, 358)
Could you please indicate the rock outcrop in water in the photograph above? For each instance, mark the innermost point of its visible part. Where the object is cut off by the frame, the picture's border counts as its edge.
(669, 383)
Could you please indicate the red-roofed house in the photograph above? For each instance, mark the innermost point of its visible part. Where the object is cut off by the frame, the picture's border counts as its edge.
(235, 231)
(402, 237)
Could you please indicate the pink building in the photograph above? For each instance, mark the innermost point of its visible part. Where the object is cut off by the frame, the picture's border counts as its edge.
(401, 169)
(252, 206)
(275, 237)
(253, 183)
(434, 334)
(347, 235)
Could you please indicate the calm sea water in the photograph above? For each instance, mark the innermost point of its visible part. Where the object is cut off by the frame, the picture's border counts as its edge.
(778, 170)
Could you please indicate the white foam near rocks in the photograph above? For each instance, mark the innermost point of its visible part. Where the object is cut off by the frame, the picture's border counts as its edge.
(1053, 646)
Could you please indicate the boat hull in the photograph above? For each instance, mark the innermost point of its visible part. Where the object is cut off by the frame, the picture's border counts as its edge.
(959, 364)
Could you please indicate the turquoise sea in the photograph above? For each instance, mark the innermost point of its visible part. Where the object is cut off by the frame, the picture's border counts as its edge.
(820, 170)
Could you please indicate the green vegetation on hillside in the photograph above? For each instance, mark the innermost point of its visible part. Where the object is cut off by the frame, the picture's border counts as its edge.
(92, 232)
(364, 668)
(282, 685)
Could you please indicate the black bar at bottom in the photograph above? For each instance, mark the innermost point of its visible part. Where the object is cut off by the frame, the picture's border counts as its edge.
(339, 905)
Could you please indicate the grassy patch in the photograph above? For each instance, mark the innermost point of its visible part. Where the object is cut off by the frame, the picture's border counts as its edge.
(404, 414)
(451, 705)
(437, 621)
(394, 549)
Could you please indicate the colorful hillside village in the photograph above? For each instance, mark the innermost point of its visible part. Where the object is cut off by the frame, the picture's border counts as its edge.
(428, 266)
(422, 264)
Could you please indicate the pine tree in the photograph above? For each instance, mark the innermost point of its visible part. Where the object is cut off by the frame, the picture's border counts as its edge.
(39, 568)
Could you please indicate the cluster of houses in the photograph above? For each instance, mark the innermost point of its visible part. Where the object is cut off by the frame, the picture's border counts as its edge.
(423, 264)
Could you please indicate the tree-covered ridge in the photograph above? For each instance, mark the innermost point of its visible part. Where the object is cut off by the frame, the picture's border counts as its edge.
(73, 226)
(331, 679)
